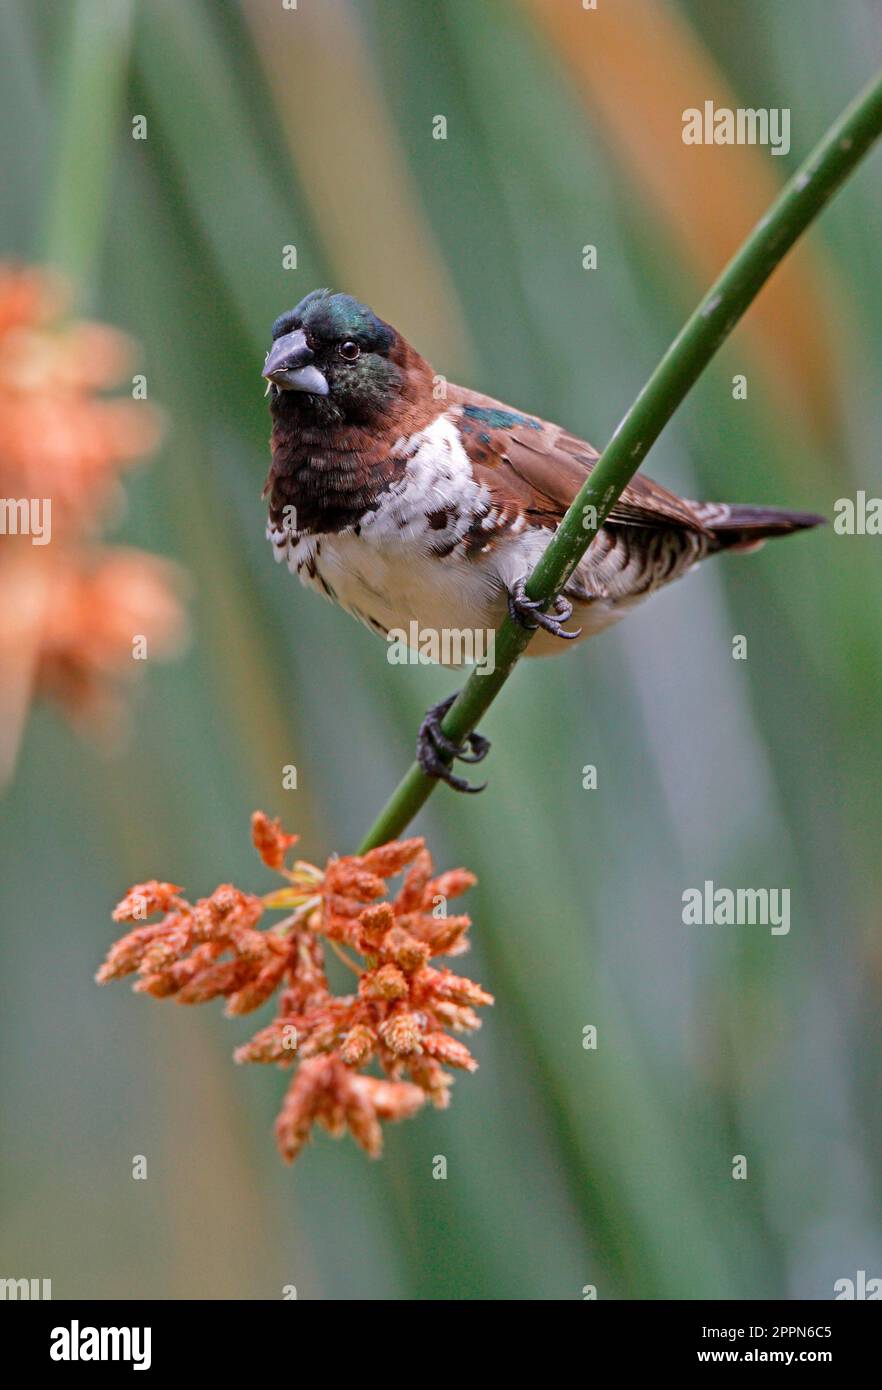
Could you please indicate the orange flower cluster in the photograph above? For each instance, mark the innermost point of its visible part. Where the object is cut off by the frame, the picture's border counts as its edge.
(401, 1016)
(70, 608)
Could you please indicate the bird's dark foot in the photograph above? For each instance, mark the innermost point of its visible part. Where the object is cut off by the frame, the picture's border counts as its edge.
(527, 612)
(434, 749)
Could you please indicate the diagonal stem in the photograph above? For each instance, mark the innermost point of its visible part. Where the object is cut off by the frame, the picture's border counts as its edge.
(830, 163)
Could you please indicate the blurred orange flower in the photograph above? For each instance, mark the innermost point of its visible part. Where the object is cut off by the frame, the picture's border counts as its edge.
(400, 1016)
(75, 615)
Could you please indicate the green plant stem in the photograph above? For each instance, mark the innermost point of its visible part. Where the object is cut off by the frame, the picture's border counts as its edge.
(798, 204)
(95, 62)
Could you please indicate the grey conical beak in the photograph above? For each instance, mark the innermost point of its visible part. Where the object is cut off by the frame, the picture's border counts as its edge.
(289, 366)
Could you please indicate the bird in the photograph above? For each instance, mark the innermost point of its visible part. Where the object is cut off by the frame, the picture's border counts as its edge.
(421, 506)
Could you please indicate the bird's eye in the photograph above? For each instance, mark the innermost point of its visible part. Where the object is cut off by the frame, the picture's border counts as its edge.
(349, 351)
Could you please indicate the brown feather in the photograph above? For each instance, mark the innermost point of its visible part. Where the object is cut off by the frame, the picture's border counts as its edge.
(532, 465)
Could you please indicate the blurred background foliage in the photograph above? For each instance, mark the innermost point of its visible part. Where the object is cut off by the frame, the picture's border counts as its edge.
(269, 127)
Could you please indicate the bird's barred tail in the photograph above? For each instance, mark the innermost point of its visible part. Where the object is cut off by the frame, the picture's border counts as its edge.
(738, 527)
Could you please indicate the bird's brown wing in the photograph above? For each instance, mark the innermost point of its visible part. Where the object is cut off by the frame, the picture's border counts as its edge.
(537, 467)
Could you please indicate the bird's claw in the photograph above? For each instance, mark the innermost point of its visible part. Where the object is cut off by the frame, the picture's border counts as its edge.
(435, 750)
(526, 612)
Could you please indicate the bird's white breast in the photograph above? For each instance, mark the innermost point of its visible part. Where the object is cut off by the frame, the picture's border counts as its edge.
(387, 571)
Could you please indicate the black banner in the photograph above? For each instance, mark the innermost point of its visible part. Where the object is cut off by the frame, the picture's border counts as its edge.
(65, 1337)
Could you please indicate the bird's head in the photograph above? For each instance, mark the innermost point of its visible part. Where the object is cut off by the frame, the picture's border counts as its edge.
(333, 360)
